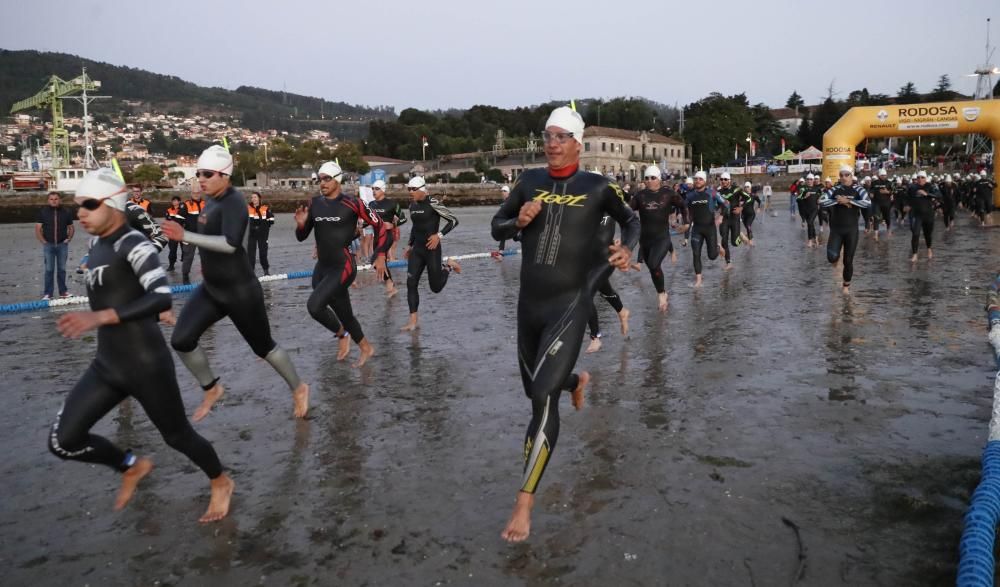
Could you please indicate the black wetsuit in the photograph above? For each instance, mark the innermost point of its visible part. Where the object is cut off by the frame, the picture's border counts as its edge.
(559, 278)
(655, 209)
(335, 221)
(390, 212)
(899, 199)
(605, 237)
(983, 197)
(749, 213)
(881, 193)
(922, 207)
(139, 219)
(729, 230)
(132, 360)
(230, 288)
(426, 216)
(702, 206)
(866, 213)
(949, 202)
(808, 201)
(844, 225)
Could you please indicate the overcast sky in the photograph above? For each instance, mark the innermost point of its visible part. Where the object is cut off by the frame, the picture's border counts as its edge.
(515, 53)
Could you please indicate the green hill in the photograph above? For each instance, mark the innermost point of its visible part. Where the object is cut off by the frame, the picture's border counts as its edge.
(23, 73)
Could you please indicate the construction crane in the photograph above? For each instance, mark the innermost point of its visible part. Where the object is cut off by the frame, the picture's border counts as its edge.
(51, 97)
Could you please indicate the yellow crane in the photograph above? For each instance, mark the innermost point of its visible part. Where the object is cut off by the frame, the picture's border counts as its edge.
(51, 96)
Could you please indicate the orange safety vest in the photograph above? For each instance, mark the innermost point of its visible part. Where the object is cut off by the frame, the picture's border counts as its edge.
(144, 204)
(173, 212)
(194, 208)
(258, 213)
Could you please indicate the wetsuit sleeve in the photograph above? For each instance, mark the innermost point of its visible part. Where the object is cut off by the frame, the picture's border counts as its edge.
(827, 200)
(142, 221)
(504, 223)
(446, 215)
(270, 216)
(382, 239)
(399, 216)
(142, 257)
(303, 233)
(615, 206)
(862, 200)
(234, 223)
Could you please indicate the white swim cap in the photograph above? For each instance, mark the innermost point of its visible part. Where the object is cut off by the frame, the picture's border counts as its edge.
(505, 189)
(810, 176)
(103, 184)
(331, 169)
(567, 119)
(216, 158)
(418, 183)
(378, 185)
(688, 181)
(725, 175)
(651, 171)
(846, 169)
(747, 184)
(921, 173)
(883, 171)
(700, 175)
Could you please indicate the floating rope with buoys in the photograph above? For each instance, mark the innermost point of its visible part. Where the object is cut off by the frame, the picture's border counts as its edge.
(976, 564)
(73, 300)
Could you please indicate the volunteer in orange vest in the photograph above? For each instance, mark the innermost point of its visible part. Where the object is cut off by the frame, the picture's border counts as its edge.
(191, 211)
(261, 219)
(139, 200)
(174, 213)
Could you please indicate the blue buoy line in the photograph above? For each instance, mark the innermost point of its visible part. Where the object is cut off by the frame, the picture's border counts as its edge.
(177, 289)
(977, 566)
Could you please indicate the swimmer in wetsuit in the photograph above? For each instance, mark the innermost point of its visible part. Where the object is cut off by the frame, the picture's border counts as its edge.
(749, 213)
(703, 206)
(126, 288)
(881, 194)
(230, 287)
(923, 198)
(808, 200)
(844, 203)
(655, 205)
(558, 213)
(729, 230)
(391, 214)
(424, 249)
(334, 216)
(605, 238)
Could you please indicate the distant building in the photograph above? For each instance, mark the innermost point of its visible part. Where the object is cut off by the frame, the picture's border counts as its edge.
(624, 152)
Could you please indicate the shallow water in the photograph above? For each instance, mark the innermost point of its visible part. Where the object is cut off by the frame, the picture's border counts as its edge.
(764, 397)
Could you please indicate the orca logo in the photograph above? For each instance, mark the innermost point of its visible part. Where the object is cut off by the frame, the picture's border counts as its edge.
(882, 115)
(970, 114)
(327, 219)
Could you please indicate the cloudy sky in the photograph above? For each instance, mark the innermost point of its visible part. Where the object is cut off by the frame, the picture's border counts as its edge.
(442, 54)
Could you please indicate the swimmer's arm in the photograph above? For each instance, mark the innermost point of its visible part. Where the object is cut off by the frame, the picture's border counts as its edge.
(382, 237)
(216, 243)
(628, 220)
(145, 262)
(504, 223)
(447, 215)
(399, 216)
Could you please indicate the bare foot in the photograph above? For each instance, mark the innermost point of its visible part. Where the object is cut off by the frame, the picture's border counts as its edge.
(847, 289)
(519, 526)
(454, 266)
(411, 325)
(673, 258)
(594, 346)
(729, 266)
(930, 254)
(130, 479)
(211, 396)
(577, 399)
(623, 318)
(913, 259)
(218, 504)
(343, 348)
(300, 397)
(662, 302)
(391, 292)
(367, 351)
(697, 280)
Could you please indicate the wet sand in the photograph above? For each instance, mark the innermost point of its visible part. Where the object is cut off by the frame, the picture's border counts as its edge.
(766, 430)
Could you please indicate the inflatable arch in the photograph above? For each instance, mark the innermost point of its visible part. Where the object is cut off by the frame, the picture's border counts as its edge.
(910, 120)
